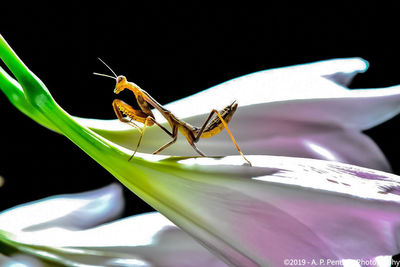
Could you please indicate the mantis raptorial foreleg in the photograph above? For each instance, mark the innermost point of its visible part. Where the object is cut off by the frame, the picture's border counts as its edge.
(121, 108)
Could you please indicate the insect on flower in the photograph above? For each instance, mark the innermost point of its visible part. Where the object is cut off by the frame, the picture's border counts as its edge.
(145, 115)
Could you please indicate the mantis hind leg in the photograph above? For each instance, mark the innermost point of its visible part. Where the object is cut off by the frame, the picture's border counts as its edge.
(214, 111)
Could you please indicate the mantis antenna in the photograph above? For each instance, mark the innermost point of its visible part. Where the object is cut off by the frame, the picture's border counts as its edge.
(104, 75)
(115, 75)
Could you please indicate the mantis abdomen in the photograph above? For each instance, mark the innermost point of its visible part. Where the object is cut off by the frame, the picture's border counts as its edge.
(216, 125)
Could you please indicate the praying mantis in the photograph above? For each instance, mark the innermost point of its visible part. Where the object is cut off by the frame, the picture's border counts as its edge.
(145, 116)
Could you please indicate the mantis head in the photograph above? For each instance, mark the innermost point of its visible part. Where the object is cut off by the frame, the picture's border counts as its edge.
(121, 81)
(121, 84)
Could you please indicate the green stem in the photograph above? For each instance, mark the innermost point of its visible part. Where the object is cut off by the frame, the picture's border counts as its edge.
(15, 94)
(100, 149)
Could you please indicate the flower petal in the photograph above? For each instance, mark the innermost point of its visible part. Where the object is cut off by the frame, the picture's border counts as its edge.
(19, 261)
(150, 237)
(305, 81)
(281, 208)
(77, 211)
(305, 209)
(146, 240)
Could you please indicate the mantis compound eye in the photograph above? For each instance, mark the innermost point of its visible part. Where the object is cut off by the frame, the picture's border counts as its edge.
(119, 79)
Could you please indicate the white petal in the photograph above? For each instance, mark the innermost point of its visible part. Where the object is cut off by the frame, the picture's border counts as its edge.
(145, 240)
(283, 84)
(75, 211)
(341, 71)
(19, 261)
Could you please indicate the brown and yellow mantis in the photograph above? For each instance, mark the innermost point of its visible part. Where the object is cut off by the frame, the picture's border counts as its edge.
(145, 115)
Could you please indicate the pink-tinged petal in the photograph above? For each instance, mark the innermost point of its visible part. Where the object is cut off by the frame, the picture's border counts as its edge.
(286, 208)
(301, 111)
(76, 211)
(282, 208)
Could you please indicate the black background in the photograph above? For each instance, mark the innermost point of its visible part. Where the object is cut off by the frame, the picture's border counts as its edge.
(171, 51)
